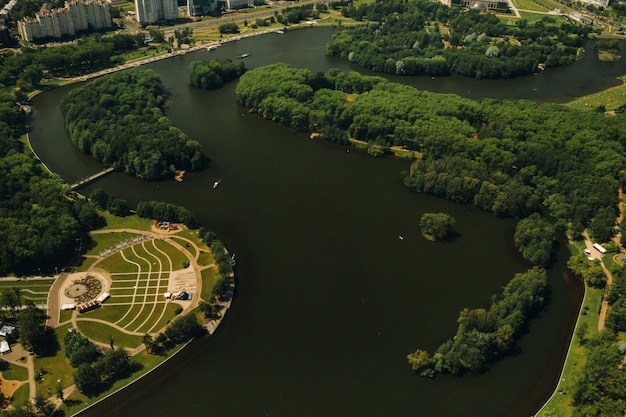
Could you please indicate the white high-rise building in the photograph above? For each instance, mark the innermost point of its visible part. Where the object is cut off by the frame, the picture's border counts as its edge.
(153, 11)
(77, 15)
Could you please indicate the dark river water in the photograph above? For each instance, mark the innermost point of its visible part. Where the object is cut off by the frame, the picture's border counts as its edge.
(329, 300)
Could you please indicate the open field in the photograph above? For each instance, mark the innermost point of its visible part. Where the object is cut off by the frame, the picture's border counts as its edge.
(103, 333)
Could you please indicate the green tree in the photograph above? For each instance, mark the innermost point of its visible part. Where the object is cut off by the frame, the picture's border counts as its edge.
(535, 238)
(436, 226)
(35, 336)
(87, 379)
(11, 301)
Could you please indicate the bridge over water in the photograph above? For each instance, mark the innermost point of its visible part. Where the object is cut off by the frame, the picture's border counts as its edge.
(87, 180)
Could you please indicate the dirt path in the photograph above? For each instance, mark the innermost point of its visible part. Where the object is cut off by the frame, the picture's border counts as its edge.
(609, 278)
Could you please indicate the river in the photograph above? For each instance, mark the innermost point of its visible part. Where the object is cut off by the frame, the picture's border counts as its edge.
(329, 300)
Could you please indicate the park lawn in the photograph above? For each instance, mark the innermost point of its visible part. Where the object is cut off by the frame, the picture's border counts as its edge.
(209, 278)
(134, 310)
(170, 313)
(104, 241)
(122, 288)
(115, 263)
(530, 5)
(205, 258)
(107, 313)
(20, 396)
(174, 257)
(561, 404)
(530, 16)
(127, 222)
(86, 263)
(65, 315)
(184, 243)
(56, 368)
(125, 278)
(148, 318)
(102, 333)
(15, 373)
(121, 300)
(191, 235)
(35, 285)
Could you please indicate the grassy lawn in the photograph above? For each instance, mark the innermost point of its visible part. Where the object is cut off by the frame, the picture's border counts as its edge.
(122, 291)
(15, 373)
(105, 241)
(209, 277)
(128, 222)
(32, 290)
(20, 396)
(205, 258)
(108, 313)
(148, 318)
(65, 315)
(102, 333)
(561, 403)
(176, 257)
(186, 245)
(115, 263)
(167, 317)
(611, 98)
(134, 310)
(56, 368)
(530, 5)
(191, 235)
(85, 264)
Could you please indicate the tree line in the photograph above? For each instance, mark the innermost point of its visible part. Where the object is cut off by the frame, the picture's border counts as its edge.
(118, 119)
(168, 212)
(485, 334)
(405, 38)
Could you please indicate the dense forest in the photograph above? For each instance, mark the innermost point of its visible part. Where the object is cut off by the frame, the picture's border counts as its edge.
(118, 119)
(421, 37)
(512, 158)
(211, 75)
(40, 227)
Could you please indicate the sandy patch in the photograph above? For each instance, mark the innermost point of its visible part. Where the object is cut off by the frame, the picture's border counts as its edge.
(8, 387)
(183, 279)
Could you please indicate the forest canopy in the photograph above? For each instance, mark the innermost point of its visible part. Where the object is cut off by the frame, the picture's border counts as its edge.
(429, 38)
(118, 120)
(512, 158)
(211, 75)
